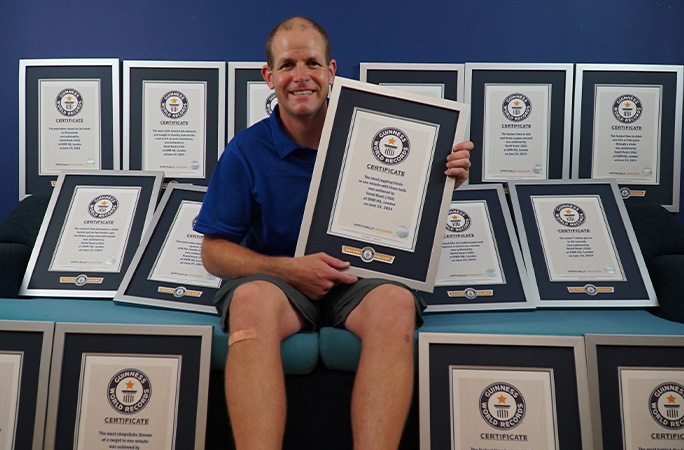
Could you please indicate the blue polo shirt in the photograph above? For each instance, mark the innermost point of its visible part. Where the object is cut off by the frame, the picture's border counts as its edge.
(258, 191)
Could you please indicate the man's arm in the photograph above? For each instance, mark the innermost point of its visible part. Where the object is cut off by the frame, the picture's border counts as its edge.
(458, 162)
(313, 275)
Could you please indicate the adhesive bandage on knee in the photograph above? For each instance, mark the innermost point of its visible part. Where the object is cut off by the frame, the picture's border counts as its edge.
(241, 335)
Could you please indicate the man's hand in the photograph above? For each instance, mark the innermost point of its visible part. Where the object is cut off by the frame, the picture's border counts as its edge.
(458, 162)
(315, 275)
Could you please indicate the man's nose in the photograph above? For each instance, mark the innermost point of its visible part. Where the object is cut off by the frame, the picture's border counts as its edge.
(300, 72)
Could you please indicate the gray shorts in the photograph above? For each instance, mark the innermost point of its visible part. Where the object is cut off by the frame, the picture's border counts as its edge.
(331, 311)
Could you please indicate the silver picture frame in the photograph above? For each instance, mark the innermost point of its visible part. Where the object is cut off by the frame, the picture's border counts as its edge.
(189, 346)
(559, 359)
(624, 283)
(142, 285)
(38, 78)
(554, 129)
(443, 80)
(31, 341)
(249, 97)
(642, 178)
(73, 228)
(202, 129)
(356, 112)
(501, 285)
(623, 374)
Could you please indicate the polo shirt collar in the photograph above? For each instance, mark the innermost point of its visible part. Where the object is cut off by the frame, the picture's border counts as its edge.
(283, 144)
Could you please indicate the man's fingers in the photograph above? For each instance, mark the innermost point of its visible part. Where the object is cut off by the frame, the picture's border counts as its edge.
(466, 145)
(334, 262)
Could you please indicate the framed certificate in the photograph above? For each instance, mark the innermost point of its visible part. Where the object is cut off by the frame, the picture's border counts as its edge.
(480, 266)
(167, 269)
(90, 232)
(173, 118)
(434, 80)
(520, 121)
(68, 119)
(249, 97)
(628, 127)
(578, 244)
(637, 391)
(25, 351)
(378, 192)
(128, 386)
(502, 391)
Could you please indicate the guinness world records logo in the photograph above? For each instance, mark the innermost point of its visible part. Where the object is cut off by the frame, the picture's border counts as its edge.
(103, 206)
(458, 221)
(569, 215)
(81, 280)
(174, 104)
(502, 406)
(590, 289)
(666, 405)
(517, 107)
(69, 102)
(271, 102)
(129, 391)
(391, 146)
(625, 192)
(627, 108)
(367, 254)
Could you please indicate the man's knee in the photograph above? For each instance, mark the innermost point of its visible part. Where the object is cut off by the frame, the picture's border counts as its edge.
(255, 304)
(390, 308)
(393, 300)
(261, 310)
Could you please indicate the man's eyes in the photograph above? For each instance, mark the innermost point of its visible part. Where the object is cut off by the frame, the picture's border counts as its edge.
(289, 65)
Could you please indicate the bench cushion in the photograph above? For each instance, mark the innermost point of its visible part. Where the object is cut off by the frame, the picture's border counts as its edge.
(340, 349)
(300, 353)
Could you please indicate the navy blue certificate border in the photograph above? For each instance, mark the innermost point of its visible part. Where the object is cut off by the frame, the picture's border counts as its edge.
(605, 355)
(510, 295)
(664, 192)
(43, 184)
(556, 78)
(137, 288)
(41, 278)
(239, 116)
(188, 347)
(138, 75)
(631, 292)
(34, 340)
(426, 75)
(560, 359)
(407, 265)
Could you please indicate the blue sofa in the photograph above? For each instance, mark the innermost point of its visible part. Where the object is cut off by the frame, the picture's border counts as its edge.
(320, 366)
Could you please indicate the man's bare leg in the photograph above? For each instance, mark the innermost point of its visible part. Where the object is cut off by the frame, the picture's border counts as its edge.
(385, 322)
(260, 317)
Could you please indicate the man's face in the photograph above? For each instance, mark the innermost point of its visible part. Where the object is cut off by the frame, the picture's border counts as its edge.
(300, 75)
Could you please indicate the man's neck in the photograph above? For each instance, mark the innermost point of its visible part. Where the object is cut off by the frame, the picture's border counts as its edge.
(305, 132)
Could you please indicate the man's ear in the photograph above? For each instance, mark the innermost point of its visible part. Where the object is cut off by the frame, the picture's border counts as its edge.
(267, 75)
(332, 68)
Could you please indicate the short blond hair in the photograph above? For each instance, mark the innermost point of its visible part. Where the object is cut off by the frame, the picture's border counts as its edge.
(292, 23)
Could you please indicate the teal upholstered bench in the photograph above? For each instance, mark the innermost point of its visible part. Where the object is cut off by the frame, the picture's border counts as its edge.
(340, 349)
(300, 353)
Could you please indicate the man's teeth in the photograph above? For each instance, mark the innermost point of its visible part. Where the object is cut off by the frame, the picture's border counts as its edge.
(309, 92)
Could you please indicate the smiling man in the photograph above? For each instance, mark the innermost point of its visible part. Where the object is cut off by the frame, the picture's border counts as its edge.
(251, 217)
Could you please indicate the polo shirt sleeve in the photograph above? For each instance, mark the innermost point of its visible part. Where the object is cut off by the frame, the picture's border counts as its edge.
(227, 208)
